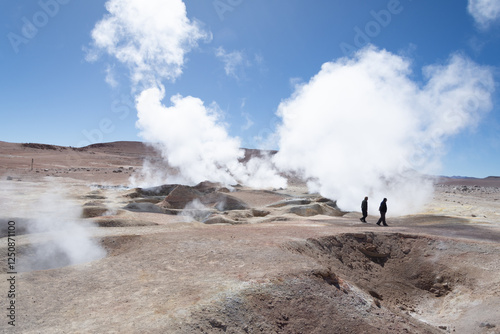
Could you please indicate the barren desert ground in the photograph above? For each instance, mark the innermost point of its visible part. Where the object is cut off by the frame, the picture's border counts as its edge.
(93, 255)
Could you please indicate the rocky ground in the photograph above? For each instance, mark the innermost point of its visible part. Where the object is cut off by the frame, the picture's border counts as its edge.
(239, 260)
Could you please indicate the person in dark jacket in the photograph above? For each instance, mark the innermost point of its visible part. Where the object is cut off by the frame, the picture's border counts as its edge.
(383, 210)
(364, 210)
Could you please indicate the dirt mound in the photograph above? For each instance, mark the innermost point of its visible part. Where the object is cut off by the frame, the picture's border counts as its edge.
(179, 197)
(114, 221)
(219, 219)
(163, 190)
(210, 197)
(223, 202)
(308, 207)
(290, 202)
(208, 187)
(92, 211)
(314, 210)
(143, 207)
(120, 244)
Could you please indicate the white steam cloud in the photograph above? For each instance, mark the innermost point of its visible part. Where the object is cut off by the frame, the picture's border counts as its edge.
(189, 136)
(362, 126)
(194, 141)
(484, 12)
(195, 211)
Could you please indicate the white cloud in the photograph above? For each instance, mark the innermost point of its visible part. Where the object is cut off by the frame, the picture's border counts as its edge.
(484, 12)
(111, 77)
(248, 121)
(234, 62)
(361, 126)
(295, 82)
(259, 59)
(151, 37)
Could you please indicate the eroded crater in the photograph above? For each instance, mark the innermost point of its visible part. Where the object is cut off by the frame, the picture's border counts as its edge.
(411, 274)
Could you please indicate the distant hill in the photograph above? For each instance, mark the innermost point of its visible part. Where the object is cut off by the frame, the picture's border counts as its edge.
(138, 149)
(490, 181)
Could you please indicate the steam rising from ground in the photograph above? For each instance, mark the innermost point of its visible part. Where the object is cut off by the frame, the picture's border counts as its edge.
(189, 136)
(195, 211)
(362, 126)
(192, 138)
(151, 38)
(65, 238)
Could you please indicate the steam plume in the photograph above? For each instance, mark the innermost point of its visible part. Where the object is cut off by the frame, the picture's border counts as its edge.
(152, 38)
(49, 211)
(362, 126)
(193, 139)
(189, 136)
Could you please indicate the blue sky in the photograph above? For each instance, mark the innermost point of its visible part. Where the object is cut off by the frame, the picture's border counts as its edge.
(252, 57)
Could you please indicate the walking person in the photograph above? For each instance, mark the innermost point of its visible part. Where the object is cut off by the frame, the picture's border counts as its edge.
(364, 209)
(383, 210)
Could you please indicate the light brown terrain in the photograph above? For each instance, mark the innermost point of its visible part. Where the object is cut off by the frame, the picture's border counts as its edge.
(246, 260)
